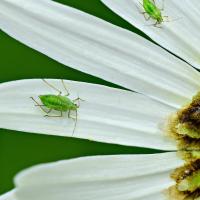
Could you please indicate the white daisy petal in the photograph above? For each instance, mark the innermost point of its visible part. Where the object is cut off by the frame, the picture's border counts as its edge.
(100, 49)
(8, 196)
(106, 114)
(179, 35)
(122, 177)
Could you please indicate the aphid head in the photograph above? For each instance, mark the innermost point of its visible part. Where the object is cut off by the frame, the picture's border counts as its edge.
(159, 17)
(75, 106)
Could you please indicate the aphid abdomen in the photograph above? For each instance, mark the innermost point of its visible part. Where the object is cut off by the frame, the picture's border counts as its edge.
(151, 9)
(59, 103)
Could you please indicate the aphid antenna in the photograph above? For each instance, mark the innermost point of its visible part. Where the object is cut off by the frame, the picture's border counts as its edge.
(163, 5)
(140, 3)
(173, 20)
(141, 11)
(50, 85)
(147, 18)
(61, 114)
(156, 24)
(79, 99)
(154, 2)
(65, 87)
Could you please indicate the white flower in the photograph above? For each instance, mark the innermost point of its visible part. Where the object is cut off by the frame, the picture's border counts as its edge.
(108, 52)
(164, 84)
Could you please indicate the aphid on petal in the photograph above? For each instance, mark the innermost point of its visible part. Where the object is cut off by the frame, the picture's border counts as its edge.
(153, 12)
(59, 102)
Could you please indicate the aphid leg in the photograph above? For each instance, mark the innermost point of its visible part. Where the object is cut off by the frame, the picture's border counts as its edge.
(156, 25)
(37, 104)
(141, 11)
(147, 17)
(167, 17)
(74, 118)
(65, 87)
(170, 20)
(49, 111)
(70, 116)
(75, 123)
(163, 5)
(61, 114)
(50, 85)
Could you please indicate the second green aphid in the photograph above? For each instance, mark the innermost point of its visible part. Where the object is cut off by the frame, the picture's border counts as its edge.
(153, 11)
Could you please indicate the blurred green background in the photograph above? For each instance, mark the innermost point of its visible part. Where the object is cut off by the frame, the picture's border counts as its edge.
(20, 150)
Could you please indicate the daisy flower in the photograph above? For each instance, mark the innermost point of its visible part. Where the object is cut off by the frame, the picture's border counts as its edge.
(166, 103)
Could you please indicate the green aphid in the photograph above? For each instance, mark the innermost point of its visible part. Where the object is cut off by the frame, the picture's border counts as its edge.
(59, 102)
(152, 11)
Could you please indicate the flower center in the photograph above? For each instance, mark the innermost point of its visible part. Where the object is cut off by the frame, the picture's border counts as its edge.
(190, 183)
(189, 119)
(185, 125)
(187, 178)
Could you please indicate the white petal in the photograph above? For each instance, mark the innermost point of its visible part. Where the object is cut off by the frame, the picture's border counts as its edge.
(94, 46)
(180, 35)
(8, 196)
(106, 114)
(122, 177)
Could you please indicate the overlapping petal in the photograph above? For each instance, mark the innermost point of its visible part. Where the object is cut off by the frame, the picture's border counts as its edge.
(8, 196)
(180, 31)
(122, 177)
(92, 45)
(106, 114)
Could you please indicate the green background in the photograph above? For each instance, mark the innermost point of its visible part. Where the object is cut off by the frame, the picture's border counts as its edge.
(21, 150)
